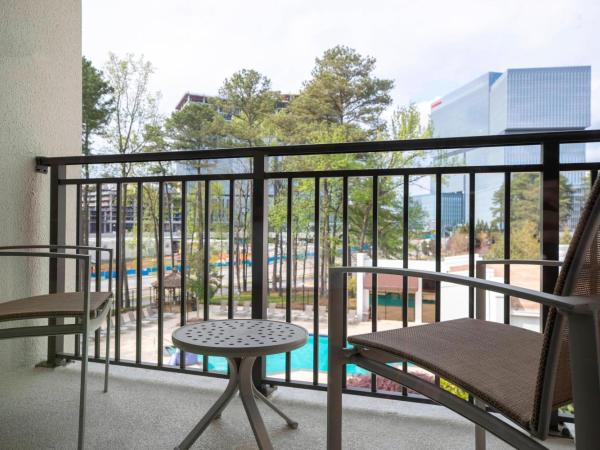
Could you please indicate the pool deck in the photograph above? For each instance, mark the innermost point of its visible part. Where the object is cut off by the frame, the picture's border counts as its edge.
(171, 322)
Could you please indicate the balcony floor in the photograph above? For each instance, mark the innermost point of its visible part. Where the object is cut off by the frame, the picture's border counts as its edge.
(147, 409)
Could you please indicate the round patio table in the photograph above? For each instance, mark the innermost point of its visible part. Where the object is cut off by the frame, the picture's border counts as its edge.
(241, 342)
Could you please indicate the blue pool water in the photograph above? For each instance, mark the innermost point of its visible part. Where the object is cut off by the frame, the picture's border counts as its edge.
(301, 359)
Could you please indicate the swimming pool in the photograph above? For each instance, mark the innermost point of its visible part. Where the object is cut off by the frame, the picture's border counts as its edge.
(301, 359)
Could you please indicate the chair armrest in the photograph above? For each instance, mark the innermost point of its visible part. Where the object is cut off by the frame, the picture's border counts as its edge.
(3, 252)
(567, 304)
(524, 262)
(58, 246)
(85, 259)
(71, 247)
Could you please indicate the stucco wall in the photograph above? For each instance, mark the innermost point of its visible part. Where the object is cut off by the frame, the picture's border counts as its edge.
(40, 114)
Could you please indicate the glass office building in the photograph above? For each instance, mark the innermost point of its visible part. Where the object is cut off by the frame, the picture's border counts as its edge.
(518, 101)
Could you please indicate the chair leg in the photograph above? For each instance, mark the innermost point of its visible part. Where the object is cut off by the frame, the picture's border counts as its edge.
(479, 438)
(584, 343)
(83, 390)
(107, 363)
(335, 361)
(479, 431)
(334, 406)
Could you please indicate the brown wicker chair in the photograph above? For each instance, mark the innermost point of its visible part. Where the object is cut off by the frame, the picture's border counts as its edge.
(89, 309)
(520, 374)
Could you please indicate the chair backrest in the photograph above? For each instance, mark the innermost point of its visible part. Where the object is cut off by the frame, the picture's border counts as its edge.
(580, 275)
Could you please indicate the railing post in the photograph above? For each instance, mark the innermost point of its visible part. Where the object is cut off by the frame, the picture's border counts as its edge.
(260, 254)
(480, 294)
(550, 215)
(56, 270)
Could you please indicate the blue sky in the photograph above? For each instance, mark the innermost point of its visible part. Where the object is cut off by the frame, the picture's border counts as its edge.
(429, 48)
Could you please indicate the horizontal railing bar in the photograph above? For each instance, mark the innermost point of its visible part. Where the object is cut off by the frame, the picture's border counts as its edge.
(133, 364)
(407, 171)
(313, 149)
(157, 178)
(522, 262)
(579, 166)
(365, 392)
(334, 173)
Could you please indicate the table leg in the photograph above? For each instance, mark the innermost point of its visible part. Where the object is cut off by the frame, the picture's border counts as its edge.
(215, 410)
(246, 392)
(234, 365)
(291, 423)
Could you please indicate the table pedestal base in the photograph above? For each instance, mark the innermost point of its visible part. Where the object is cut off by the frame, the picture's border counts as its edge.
(240, 378)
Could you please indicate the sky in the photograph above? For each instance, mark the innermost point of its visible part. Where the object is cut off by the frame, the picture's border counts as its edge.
(428, 48)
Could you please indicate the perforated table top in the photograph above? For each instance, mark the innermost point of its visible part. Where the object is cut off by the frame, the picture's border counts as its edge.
(239, 338)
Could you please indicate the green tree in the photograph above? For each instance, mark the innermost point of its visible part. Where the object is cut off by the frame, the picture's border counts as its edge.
(247, 96)
(525, 215)
(196, 126)
(97, 105)
(134, 109)
(342, 102)
(344, 90)
(405, 123)
(135, 106)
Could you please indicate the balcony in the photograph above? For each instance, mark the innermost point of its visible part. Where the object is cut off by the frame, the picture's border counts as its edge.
(206, 219)
(251, 233)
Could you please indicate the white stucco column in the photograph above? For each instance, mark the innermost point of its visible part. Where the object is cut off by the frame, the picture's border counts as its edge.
(40, 114)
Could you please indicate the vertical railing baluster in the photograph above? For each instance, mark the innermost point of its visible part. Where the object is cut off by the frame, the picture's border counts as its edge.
(507, 224)
(120, 271)
(471, 242)
(438, 250)
(78, 240)
(161, 270)
(138, 275)
(183, 268)
(374, 259)
(99, 225)
(206, 272)
(316, 281)
(345, 262)
(288, 272)
(405, 245)
(438, 244)
(230, 266)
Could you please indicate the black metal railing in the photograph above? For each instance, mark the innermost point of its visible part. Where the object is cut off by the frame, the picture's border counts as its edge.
(264, 174)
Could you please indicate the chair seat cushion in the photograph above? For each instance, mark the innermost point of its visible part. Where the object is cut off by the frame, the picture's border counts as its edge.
(497, 363)
(51, 305)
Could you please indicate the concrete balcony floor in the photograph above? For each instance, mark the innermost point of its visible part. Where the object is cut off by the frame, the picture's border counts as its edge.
(147, 409)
